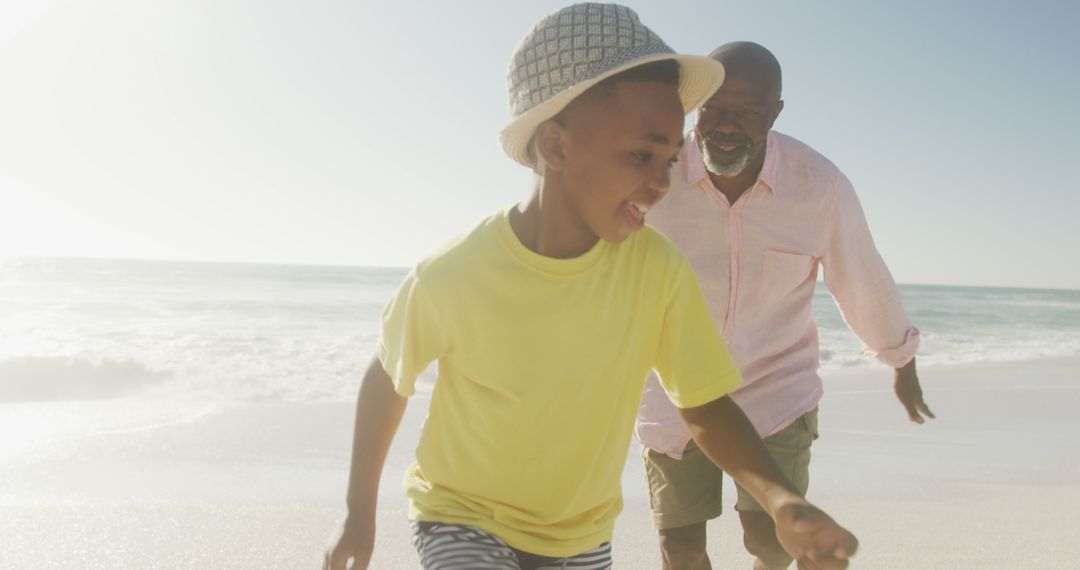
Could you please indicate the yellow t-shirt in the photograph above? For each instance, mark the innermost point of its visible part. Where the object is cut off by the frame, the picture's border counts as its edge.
(542, 362)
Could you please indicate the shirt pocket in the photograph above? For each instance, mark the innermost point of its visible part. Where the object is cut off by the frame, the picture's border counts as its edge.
(781, 273)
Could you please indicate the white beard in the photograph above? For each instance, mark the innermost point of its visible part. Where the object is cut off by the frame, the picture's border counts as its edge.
(726, 170)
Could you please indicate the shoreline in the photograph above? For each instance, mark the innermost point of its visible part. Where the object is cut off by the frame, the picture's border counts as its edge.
(991, 483)
(1068, 360)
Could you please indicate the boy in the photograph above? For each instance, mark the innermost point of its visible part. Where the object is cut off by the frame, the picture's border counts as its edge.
(546, 319)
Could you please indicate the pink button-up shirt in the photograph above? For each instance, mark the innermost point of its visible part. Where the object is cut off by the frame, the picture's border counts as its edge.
(757, 264)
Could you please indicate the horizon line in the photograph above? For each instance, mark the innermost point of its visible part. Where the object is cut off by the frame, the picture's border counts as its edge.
(4, 257)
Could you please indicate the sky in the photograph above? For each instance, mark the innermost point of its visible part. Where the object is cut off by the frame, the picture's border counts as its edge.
(366, 133)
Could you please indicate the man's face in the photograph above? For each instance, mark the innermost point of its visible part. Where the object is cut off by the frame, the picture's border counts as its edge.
(733, 125)
(618, 150)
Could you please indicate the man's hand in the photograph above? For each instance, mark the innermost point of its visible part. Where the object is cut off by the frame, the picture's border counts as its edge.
(908, 391)
(356, 542)
(812, 538)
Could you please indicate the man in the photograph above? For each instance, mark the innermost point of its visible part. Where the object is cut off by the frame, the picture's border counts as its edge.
(756, 212)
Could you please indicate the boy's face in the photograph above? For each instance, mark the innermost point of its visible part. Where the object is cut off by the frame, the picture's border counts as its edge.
(617, 150)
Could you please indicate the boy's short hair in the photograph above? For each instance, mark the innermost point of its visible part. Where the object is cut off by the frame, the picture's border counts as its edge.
(664, 71)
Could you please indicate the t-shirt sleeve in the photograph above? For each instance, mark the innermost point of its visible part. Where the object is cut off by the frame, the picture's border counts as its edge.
(411, 335)
(693, 362)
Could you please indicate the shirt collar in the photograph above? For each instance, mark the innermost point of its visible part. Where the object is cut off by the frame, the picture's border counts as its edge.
(695, 163)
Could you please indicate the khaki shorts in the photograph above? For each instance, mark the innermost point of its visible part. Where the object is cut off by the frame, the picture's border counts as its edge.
(687, 491)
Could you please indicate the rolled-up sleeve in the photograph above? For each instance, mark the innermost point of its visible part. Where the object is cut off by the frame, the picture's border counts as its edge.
(861, 284)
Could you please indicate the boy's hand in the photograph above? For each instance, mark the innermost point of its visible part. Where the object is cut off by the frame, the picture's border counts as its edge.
(378, 412)
(908, 391)
(727, 437)
(812, 538)
(356, 543)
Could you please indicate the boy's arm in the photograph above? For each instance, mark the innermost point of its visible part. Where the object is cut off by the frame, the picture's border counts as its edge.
(378, 412)
(728, 438)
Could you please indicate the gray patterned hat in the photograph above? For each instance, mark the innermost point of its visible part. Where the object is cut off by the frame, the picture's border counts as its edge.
(577, 47)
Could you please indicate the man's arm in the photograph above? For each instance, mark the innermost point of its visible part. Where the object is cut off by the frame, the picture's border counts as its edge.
(378, 413)
(867, 297)
(728, 438)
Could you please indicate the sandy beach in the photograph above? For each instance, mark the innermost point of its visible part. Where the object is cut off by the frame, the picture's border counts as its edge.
(993, 483)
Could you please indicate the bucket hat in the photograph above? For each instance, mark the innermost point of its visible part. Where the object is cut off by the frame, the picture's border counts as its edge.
(575, 48)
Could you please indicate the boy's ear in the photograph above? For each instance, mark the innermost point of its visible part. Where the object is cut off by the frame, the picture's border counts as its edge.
(548, 144)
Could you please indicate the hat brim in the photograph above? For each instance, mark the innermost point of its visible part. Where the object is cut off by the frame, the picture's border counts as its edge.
(699, 78)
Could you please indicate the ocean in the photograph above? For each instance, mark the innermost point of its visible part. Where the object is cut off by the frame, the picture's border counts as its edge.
(83, 329)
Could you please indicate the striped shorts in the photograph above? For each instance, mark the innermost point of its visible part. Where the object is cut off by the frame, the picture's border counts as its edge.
(457, 547)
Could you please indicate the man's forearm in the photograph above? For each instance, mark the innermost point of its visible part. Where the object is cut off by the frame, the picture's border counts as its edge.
(727, 437)
(378, 412)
